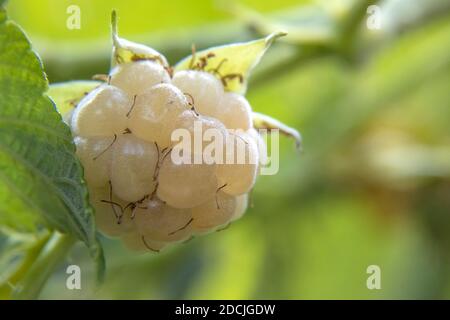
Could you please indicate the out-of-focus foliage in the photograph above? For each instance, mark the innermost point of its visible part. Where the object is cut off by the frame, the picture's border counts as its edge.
(371, 186)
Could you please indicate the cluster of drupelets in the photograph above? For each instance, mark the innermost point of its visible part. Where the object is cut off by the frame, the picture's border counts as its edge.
(123, 133)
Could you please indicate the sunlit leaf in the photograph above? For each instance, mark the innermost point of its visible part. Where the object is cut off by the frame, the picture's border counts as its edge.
(231, 63)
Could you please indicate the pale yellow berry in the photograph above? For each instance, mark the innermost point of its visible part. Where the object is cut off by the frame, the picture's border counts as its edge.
(241, 206)
(204, 89)
(137, 242)
(103, 112)
(238, 173)
(202, 137)
(154, 113)
(214, 213)
(262, 148)
(133, 168)
(135, 78)
(161, 222)
(235, 111)
(186, 185)
(95, 155)
(110, 217)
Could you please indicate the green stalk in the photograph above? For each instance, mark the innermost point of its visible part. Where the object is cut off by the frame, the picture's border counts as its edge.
(54, 252)
(7, 286)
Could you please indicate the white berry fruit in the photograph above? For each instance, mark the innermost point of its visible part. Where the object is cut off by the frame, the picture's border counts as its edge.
(101, 113)
(186, 185)
(96, 158)
(125, 134)
(204, 89)
(155, 112)
(235, 112)
(133, 168)
(137, 242)
(212, 131)
(214, 213)
(238, 173)
(262, 148)
(160, 222)
(136, 78)
(109, 216)
(241, 206)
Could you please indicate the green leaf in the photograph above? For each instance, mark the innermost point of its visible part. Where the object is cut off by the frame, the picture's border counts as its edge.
(232, 63)
(40, 177)
(66, 95)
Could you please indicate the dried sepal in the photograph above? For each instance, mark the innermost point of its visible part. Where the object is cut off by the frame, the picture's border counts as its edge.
(262, 121)
(127, 51)
(231, 63)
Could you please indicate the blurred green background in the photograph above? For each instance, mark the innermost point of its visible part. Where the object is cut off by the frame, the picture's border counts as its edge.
(371, 186)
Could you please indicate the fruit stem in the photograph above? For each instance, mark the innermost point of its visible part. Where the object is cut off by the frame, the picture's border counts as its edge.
(52, 254)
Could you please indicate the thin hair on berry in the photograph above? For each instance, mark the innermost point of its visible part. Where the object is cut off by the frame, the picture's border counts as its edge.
(106, 149)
